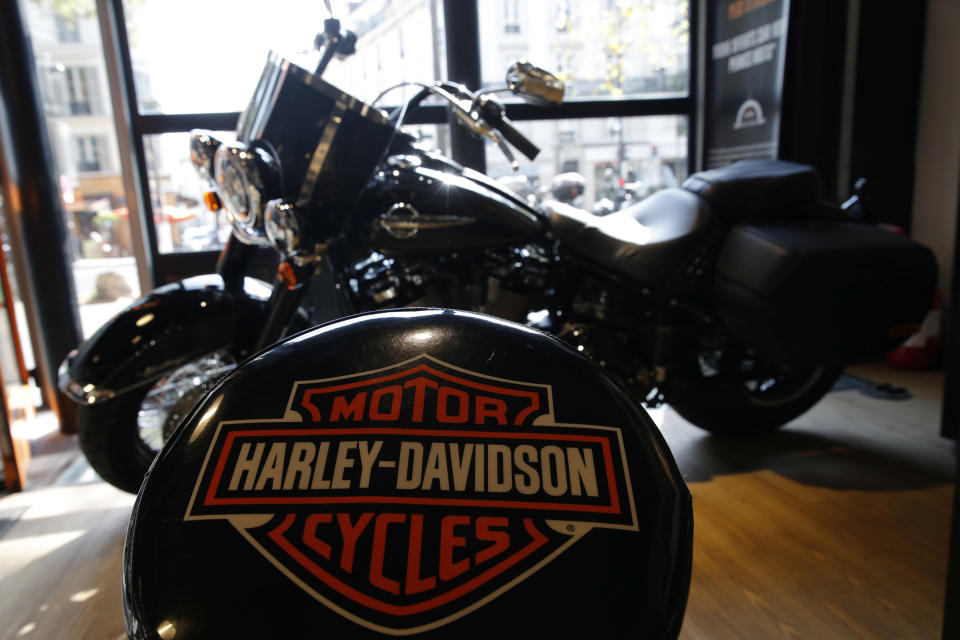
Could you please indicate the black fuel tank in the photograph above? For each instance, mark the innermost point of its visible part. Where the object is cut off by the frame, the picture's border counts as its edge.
(412, 472)
(419, 205)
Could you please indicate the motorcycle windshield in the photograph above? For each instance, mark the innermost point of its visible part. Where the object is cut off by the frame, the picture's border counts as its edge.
(326, 140)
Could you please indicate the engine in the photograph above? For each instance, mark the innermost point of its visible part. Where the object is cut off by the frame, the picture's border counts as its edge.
(504, 282)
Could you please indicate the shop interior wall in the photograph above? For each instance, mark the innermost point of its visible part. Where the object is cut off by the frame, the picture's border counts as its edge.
(937, 197)
(938, 137)
(889, 71)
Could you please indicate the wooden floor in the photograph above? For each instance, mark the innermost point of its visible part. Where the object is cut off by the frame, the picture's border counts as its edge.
(835, 527)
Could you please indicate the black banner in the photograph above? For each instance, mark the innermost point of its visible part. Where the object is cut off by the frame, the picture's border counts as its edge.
(746, 51)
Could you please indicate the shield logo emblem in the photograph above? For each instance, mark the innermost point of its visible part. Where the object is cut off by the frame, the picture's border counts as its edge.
(405, 498)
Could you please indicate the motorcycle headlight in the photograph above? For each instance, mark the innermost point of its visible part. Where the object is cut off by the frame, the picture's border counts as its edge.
(246, 178)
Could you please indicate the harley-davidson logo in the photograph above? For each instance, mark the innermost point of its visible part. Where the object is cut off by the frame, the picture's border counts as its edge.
(407, 497)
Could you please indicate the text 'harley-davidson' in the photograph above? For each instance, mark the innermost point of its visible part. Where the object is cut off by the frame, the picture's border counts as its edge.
(737, 298)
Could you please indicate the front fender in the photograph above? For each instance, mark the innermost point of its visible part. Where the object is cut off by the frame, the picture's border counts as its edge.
(168, 327)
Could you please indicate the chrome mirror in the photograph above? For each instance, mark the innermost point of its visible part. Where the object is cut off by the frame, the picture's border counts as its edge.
(535, 85)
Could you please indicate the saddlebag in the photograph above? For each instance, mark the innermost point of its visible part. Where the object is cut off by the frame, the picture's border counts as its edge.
(819, 291)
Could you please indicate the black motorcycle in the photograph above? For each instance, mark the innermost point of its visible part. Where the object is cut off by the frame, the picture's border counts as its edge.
(736, 298)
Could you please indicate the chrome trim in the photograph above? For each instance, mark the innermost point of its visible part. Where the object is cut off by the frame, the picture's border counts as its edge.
(535, 85)
(405, 227)
(404, 161)
(251, 163)
(268, 112)
(332, 91)
(79, 393)
(320, 153)
(253, 119)
(203, 149)
(282, 222)
(247, 130)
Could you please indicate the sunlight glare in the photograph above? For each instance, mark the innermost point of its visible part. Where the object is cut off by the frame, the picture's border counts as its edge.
(83, 596)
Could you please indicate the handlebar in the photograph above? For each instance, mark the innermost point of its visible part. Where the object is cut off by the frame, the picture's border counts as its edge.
(492, 111)
(478, 112)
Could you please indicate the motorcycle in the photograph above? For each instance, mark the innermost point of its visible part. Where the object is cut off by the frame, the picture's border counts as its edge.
(736, 298)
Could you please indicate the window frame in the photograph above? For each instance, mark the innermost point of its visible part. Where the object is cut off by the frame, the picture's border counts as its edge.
(463, 65)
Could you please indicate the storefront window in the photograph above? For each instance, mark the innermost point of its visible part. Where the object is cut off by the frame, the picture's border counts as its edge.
(601, 48)
(229, 41)
(76, 101)
(182, 221)
(16, 351)
(617, 160)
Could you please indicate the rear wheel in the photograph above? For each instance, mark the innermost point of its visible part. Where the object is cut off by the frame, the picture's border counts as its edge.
(754, 396)
(121, 436)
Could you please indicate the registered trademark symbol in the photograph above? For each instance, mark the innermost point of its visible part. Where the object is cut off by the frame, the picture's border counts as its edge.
(571, 528)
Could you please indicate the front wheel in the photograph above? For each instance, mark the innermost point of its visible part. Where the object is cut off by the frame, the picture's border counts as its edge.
(121, 437)
(754, 398)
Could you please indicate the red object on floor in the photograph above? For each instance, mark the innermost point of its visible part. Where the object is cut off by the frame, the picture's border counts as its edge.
(922, 349)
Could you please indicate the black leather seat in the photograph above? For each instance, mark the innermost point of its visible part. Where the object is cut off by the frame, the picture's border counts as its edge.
(749, 187)
(652, 241)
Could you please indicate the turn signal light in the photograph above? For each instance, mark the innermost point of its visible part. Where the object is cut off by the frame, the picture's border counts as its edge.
(212, 200)
(287, 276)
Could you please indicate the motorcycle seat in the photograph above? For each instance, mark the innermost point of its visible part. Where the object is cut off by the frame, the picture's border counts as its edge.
(651, 241)
(749, 187)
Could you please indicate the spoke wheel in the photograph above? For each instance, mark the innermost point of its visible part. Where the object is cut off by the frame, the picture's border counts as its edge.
(121, 437)
(172, 396)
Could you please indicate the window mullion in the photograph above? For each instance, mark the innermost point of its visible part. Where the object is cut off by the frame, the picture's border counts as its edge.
(116, 51)
(462, 29)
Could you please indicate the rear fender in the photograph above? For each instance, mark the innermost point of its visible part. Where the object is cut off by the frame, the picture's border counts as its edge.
(168, 327)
